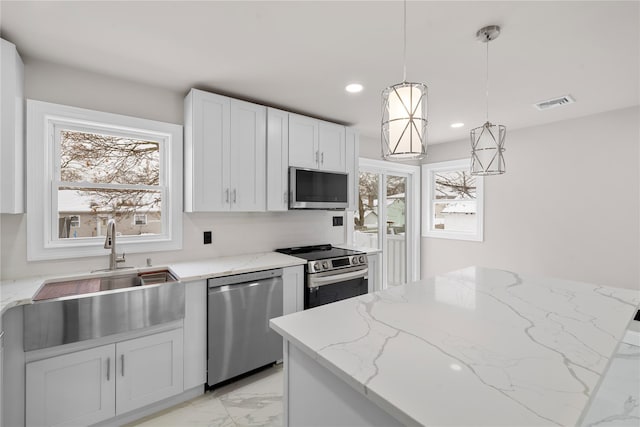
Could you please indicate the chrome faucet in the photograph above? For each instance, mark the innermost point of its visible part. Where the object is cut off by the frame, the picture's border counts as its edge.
(110, 243)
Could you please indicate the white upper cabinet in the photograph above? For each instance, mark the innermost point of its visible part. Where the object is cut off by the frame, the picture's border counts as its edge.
(225, 154)
(248, 157)
(277, 159)
(316, 144)
(303, 141)
(353, 153)
(332, 147)
(12, 108)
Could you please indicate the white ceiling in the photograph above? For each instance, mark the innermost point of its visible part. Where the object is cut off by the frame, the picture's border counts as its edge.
(299, 55)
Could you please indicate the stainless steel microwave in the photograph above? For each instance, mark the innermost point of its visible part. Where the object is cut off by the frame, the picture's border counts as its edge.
(314, 189)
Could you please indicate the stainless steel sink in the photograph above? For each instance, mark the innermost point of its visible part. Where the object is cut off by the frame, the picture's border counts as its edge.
(74, 310)
(94, 284)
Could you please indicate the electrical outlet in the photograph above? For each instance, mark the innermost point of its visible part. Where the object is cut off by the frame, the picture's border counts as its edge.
(207, 238)
(337, 221)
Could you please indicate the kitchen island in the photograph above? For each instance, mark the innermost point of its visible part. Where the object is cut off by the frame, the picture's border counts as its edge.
(473, 347)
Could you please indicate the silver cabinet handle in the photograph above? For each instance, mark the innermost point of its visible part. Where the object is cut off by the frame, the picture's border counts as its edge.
(284, 197)
(322, 158)
(108, 368)
(317, 153)
(234, 195)
(226, 198)
(122, 363)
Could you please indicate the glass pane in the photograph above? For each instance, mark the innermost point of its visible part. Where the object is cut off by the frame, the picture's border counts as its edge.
(108, 159)
(84, 212)
(396, 256)
(455, 185)
(366, 217)
(457, 216)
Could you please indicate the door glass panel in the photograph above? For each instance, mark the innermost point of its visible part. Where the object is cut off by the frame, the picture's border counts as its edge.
(366, 217)
(396, 208)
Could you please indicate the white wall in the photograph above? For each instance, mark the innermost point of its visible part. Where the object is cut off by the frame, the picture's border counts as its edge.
(567, 207)
(233, 233)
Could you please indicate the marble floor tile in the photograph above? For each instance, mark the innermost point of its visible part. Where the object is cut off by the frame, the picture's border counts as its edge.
(252, 402)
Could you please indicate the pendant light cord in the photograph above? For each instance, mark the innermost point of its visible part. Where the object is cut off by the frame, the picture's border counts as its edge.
(404, 51)
(487, 82)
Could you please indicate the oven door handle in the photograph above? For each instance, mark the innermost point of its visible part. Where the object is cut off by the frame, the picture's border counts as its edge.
(336, 278)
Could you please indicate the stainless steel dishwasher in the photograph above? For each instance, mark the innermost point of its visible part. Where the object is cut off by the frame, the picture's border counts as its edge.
(238, 335)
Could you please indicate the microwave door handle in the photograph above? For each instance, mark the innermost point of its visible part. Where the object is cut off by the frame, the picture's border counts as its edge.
(336, 278)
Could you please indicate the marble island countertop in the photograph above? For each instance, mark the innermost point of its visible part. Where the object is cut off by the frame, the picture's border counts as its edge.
(21, 291)
(472, 347)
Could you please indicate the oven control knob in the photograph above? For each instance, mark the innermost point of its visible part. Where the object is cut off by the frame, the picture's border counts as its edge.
(354, 260)
(325, 264)
(317, 266)
(361, 259)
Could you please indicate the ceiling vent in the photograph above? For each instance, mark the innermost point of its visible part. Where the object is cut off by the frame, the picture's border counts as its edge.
(555, 102)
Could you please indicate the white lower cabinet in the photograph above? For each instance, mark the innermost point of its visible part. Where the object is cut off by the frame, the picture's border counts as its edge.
(195, 334)
(93, 385)
(149, 369)
(293, 289)
(1, 371)
(374, 275)
(73, 389)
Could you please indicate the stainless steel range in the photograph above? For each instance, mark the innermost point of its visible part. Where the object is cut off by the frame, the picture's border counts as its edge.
(331, 274)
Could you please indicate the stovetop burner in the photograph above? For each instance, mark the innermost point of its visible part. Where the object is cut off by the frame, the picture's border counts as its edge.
(318, 252)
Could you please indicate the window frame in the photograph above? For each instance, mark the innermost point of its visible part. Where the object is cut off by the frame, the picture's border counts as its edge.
(428, 190)
(43, 122)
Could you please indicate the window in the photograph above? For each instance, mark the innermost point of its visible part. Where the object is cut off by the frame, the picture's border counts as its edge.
(140, 219)
(87, 167)
(453, 201)
(74, 221)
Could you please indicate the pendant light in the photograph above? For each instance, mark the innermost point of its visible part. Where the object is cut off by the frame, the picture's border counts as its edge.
(487, 141)
(404, 115)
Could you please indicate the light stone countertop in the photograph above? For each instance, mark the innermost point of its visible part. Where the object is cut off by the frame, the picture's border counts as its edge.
(226, 266)
(617, 400)
(472, 347)
(21, 291)
(366, 250)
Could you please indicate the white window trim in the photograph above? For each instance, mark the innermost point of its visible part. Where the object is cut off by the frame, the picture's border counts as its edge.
(41, 245)
(427, 201)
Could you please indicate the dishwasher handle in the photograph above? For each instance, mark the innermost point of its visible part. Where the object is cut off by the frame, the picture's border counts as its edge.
(247, 278)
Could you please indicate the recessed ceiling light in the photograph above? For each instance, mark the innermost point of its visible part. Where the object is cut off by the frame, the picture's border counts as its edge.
(457, 125)
(354, 88)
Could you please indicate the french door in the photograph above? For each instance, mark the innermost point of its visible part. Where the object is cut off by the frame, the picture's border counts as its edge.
(387, 218)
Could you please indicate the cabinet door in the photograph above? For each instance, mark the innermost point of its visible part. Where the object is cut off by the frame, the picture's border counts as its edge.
(1, 371)
(374, 274)
(195, 334)
(293, 289)
(277, 160)
(72, 389)
(12, 129)
(148, 369)
(248, 174)
(303, 142)
(207, 137)
(332, 147)
(353, 152)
